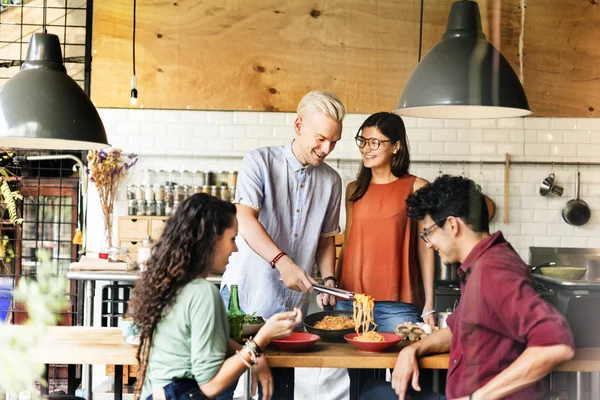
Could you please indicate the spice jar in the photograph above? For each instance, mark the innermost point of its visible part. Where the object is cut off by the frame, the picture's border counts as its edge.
(141, 208)
(225, 193)
(178, 193)
(168, 197)
(144, 252)
(168, 209)
(214, 191)
(117, 254)
(132, 207)
(231, 193)
(150, 208)
(197, 189)
(148, 193)
(232, 178)
(206, 189)
(159, 192)
(160, 208)
(175, 205)
(131, 192)
(139, 192)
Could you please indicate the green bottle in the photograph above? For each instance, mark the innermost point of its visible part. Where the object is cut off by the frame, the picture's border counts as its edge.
(235, 316)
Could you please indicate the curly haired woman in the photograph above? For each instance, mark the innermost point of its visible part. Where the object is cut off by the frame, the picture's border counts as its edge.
(185, 351)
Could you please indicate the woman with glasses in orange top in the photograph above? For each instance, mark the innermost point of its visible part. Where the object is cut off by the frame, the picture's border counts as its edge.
(382, 255)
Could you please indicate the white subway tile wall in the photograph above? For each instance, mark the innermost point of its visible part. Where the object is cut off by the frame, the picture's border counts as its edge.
(214, 140)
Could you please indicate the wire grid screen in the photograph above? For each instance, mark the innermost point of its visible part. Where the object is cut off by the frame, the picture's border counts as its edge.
(19, 19)
(51, 214)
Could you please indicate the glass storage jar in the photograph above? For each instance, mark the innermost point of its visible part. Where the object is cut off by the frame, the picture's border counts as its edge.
(117, 254)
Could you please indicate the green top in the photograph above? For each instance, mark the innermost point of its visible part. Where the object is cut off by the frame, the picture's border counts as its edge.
(191, 340)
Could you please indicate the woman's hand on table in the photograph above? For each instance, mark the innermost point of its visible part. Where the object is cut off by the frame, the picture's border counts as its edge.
(430, 319)
(262, 374)
(406, 371)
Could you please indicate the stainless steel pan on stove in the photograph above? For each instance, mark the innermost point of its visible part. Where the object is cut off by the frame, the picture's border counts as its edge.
(553, 270)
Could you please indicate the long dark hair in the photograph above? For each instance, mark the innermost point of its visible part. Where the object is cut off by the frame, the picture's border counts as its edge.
(184, 252)
(392, 127)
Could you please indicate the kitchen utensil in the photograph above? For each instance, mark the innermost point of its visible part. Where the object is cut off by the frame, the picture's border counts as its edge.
(443, 272)
(576, 212)
(506, 192)
(552, 270)
(344, 294)
(560, 272)
(296, 341)
(390, 339)
(549, 187)
(328, 335)
(441, 319)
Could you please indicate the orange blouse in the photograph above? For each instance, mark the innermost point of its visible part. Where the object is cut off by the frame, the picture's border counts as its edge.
(380, 258)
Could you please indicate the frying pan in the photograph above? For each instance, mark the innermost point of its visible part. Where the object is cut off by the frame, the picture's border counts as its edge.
(553, 270)
(328, 335)
(576, 212)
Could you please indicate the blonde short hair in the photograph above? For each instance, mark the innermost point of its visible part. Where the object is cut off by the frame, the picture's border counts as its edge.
(324, 102)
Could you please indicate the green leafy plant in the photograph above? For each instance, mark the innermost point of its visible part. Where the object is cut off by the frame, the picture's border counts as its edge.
(251, 319)
(43, 298)
(8, 203)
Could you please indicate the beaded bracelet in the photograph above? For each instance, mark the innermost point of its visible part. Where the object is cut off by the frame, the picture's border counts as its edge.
(246, 363)
(253, 347)
(277, 258)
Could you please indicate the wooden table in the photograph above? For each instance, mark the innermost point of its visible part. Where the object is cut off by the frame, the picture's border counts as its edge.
(89, 345)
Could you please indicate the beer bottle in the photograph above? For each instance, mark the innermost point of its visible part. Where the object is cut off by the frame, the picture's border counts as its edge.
(234, 315)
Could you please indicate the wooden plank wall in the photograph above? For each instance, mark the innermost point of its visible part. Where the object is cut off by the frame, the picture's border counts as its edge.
(266, 54)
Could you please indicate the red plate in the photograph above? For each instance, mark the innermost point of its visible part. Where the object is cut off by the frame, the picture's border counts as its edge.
(296, 341)
(390, 340)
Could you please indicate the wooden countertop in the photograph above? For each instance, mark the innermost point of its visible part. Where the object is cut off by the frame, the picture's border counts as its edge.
(91, 345)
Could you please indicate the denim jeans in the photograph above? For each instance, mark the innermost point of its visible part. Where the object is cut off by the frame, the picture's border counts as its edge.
(182, 389)
(381, 390)
(387, 314)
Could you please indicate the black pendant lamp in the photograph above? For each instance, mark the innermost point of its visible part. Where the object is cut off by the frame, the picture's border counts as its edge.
(41, 107)
(463, 76)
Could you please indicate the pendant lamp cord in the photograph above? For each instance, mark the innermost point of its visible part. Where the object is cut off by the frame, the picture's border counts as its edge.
(521, 41)
(134, 92)
(44, 17)
(134, 23)
(421, 31)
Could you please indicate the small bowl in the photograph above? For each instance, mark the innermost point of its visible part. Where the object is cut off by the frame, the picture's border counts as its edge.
(251, 329)
(374, 347)
(296, 341)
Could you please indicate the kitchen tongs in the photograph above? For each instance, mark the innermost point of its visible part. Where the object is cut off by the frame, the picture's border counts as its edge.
(344, 294)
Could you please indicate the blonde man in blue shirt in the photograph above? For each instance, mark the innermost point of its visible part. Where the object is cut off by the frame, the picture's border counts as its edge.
(288, 206)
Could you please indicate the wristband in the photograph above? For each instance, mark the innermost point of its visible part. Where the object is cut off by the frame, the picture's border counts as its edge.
(428, 313)
(253, 347)
(330, 278)
(277, 258)
(246, 363)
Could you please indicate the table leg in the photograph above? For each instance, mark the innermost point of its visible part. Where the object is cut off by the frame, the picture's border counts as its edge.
(578, 386)
(247, 384)
(45, 389)
(435, 381)
(595, 386)
(88, 318)
(118, 382)
(283, 379)
(71, 379)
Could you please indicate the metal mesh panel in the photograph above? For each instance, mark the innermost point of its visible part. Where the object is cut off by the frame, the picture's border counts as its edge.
(50, 212)
(67, 19)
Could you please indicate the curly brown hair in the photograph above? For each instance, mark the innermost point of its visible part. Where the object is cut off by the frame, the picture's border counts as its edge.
(184, 252)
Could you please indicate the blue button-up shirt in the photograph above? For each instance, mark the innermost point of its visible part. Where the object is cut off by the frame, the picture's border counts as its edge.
(297, 205)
